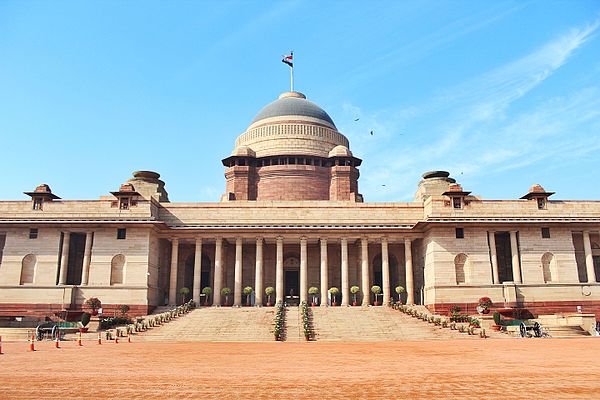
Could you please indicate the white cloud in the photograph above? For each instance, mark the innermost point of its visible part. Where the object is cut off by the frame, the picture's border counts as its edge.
(473, 127)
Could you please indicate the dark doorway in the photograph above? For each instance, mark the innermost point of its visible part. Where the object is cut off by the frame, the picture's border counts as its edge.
(188, 278)
(504, 255)
(597, 267)
(292, 283)
(75, 263)
(378, 274)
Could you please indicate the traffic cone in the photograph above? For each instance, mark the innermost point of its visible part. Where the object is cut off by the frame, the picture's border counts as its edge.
(117, 337)
(99, 338)
(31, 343)
(56, 344)
(129, 338)
(79, 339)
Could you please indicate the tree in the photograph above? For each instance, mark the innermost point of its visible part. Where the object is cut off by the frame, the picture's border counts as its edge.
(269, 291)
(226, 292)
(334, 292)
(313, 291)
(183, 292)
(400, 290)
(376, 291)
(354, 290)
(248, 291)
(206, 292)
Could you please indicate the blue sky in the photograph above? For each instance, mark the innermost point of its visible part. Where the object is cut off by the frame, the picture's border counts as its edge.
(502, 94)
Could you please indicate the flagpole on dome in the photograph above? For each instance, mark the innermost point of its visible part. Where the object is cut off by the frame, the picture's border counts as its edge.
(289, 60)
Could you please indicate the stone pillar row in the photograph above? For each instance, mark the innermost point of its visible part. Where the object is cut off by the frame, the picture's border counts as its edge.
(279, 272)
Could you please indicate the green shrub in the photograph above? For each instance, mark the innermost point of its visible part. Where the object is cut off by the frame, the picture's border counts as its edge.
(497, 318)
(85, 318)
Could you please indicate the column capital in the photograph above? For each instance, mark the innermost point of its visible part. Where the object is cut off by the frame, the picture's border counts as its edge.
(259, 240)
(323, 240)
(383, 239)
(198, 240)
(279, 238)
(364, 239)
(303, 239)
(174, 240)
(407, 240)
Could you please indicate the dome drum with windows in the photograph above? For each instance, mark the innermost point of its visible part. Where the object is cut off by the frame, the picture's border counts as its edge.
(292, 151)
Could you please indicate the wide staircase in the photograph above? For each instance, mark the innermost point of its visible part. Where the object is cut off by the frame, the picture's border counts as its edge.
(216, 324)
(563, 331)
(374, 324)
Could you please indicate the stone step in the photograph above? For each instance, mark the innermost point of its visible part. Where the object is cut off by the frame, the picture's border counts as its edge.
(566, 331)
(208, 324)
(16, 334)
(374, 324)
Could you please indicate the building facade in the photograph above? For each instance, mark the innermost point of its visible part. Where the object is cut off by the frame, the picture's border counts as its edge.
(292, 218)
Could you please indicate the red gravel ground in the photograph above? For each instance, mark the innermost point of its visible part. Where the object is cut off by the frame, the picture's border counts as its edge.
(519, 368)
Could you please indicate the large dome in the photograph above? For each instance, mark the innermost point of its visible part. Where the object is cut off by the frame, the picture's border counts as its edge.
(291, 125)
(293, 103)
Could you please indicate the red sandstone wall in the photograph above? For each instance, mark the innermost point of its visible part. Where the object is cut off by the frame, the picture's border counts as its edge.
(536, 308)
(292, 182)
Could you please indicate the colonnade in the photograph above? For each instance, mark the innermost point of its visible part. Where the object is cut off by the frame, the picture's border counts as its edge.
(365, 278)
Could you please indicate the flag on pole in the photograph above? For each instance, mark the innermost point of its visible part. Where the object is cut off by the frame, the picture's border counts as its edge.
(289, 59)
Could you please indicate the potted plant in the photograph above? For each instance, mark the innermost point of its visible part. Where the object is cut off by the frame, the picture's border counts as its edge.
(313, 291)
(400, 290)
(334, 292)
(497, 322)
(226, 292)
(85, 320)
(376, 291)
(247, 292)
(207, 291)
(124, 308)
(94, 304)
(269, 292)
(484, 304)
(354, 290)
(183, 292)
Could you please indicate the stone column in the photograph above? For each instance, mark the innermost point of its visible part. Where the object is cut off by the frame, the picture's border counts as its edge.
(87, 258)
(364, 271)
(589, 260)
(237, 280)
(494, 257)
(516, 266)
(218, 278)
(303, 271)
(197, 285)
(345, 281)
(64, 259)
(385, 271)
(410, 286)
(324, 273)
(173, 276)
(258, 274)
(279, 271)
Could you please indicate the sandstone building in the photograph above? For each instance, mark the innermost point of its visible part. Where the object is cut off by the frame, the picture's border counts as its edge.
(292, 218)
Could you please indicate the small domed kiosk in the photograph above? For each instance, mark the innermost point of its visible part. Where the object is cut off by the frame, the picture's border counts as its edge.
(292, 151)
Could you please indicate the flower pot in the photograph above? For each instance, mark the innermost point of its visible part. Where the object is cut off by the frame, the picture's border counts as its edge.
(334, 304)
(269, 304)
(94, 312)
(354, 304)
(496, 328)
(83, 329)
(376, 303)
(313, 304)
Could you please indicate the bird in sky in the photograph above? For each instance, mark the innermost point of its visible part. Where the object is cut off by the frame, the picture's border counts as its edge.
(356, 119)
(371, 133)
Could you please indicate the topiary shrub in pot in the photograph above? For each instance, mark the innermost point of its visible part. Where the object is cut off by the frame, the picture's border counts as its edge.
(313, 291)
(184, 292)
(247, 292)
(334, 292)
(399, 291)
(269, 292)
(85, 320)
(206, 292)
(94, 303)
(376, 291)
(226, 292)
(354, 290)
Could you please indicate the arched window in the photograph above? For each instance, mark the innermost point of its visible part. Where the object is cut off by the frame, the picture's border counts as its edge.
(461, 267)
(547, 266)
(117, 270)
(28, 269)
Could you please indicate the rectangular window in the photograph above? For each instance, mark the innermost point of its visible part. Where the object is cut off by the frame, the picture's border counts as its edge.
(37, 203)
(457, 202)
(460, 233)
(124, 203)
(546, 233)
(121, 233)
(541, 202)
(33, 233)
